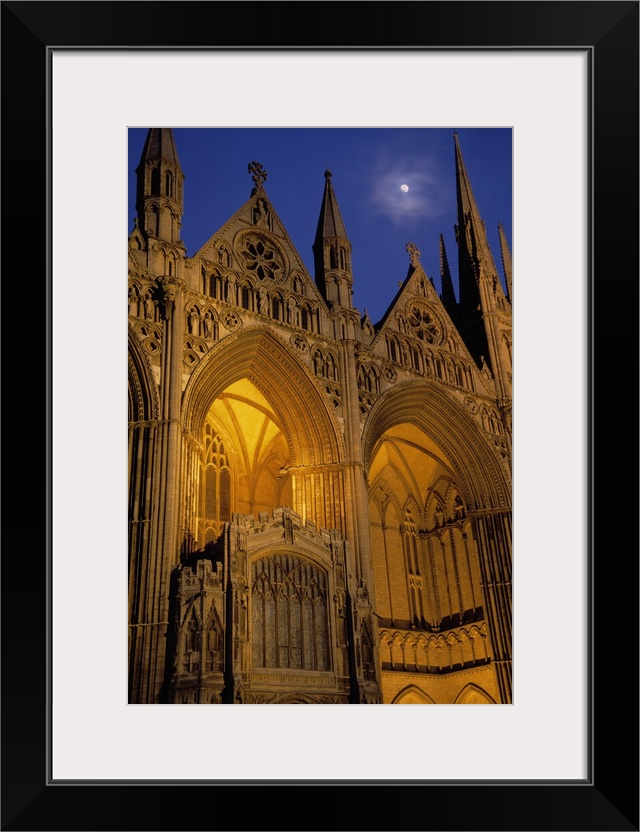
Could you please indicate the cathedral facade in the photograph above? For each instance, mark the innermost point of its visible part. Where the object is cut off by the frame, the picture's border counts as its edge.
(319, 505)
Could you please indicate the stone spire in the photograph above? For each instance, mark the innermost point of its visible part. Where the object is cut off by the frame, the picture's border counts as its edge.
(506, 260)
(475, 260)
(159, 194)
(482, 319)
(332, 250)
(160, 144)
(448, 296)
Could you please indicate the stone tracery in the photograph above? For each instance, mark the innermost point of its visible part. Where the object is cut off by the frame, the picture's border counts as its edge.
(294, 431)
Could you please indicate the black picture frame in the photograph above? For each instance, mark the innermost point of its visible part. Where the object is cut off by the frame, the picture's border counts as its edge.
(608, 799)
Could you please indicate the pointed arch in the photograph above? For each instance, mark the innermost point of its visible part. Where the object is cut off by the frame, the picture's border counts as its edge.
(191, 613)
(289, 596)
(477, 470)
(393, 348)
(473, 695)
(257, 355)
(411, 515)
(136, 240)
(412, 695)
(390, 500)
(153, 219)
(277, 305)
(143, 393)
(296, 699)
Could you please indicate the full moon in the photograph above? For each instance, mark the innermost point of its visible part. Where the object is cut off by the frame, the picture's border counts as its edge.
(404, 188)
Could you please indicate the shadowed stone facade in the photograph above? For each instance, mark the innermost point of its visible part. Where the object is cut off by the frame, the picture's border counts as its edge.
(319, 505)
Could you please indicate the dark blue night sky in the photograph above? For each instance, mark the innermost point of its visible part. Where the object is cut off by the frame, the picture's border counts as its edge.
(369, 166)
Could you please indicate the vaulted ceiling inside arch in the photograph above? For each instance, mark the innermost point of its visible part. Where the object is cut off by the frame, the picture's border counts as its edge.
(258, 447)
(409, 464)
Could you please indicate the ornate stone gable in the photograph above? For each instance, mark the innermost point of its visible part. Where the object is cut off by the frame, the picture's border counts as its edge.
(254, 245)
(337, 493)
(417, 337)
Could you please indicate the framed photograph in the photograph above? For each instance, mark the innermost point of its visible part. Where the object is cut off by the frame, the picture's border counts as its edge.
(92, 93)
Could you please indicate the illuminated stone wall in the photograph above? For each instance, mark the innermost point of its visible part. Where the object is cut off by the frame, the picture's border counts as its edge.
(319, 506)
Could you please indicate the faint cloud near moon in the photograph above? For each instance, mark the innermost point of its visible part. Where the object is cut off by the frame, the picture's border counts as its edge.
(402, 203)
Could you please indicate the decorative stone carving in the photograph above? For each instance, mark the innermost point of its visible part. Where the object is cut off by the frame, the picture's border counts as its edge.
(299, 343)
(230, 320)
(414, 254)
(261, 213)
(292, 311)
(295, 442)
(148, 306)
(194, 321)
(263, 301)
(258, 174)
(471, 405)
(208, 325)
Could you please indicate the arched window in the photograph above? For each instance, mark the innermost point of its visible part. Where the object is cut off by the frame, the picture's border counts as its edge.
(373, 380)
(216, 507)
(155, 181)
(331, 368)
(412, 562)
(153, 220)
(366, 644)
(507, 344)
(289, 613)
(214, 645)
(191, 645)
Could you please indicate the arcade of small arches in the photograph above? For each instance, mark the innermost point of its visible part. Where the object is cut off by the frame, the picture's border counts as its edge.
(411, 481)
(470, 694)
(253, 296)
(427, 584)
(242, 456)
(434, 653)
(413, 355)
(319, 508)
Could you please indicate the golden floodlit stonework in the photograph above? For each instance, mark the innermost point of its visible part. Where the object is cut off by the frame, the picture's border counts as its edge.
(319, 507)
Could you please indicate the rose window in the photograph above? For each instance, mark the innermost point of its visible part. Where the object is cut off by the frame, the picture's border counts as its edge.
(260, 259)
(423, 325)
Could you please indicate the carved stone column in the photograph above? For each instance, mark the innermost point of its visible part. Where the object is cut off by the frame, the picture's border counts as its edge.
(492, 531)
(364, 635)
(148, 670)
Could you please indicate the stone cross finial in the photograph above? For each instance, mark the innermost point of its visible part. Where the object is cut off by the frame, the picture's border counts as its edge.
(258, 174)
(414, 253)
